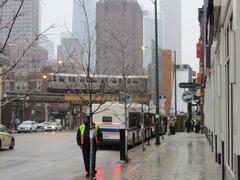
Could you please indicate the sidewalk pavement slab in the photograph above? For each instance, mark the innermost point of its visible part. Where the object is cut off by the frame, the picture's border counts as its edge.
(179, 157)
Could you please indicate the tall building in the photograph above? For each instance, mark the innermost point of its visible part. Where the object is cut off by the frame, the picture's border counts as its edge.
(170, 12)
(48, 45)
(79, 24)
(33, 60)
(70, 52)
(119, 37)
(165, 78)
(149, 35)
(26, 26)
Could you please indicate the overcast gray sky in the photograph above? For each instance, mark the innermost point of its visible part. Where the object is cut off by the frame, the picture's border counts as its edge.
(59, 12)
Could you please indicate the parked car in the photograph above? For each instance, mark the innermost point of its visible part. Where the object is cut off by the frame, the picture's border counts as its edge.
(42, 125)
(6, 139)
(53, 126)
(27, 126)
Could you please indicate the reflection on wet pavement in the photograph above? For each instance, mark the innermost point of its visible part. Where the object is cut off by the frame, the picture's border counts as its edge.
(180, 157)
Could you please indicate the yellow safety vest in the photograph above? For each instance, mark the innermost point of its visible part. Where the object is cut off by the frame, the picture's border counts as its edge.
(82, 130)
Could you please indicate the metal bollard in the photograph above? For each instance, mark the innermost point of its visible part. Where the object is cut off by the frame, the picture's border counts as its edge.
(122, 144)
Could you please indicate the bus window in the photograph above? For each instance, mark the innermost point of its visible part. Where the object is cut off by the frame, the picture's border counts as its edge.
(134, 119)
(106, 119)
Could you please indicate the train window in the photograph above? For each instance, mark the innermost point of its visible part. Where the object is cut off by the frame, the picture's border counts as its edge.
(54, 79)
(120, 81)
(114, 81)
(94, 81)
(129, 81)
(135, 82)
(61, 79)
(69, 79)
(82, 80)
(106, 119)
(88, 80)
(73, 79)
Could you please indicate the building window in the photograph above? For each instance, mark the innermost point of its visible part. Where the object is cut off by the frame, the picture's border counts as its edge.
(7, 86)
(38, 85)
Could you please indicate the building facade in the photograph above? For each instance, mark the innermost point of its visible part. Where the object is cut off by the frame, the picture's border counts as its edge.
(183, 74)
(119, 38)
(165, 79)
(48, 45)
(72, 55)
(79, 21)
(27, 23)
(149, 36)
(27, 61)
(170, 14)
(221, 60)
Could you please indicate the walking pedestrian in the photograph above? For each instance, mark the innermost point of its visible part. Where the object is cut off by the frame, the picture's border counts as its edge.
(17, 123)
(83, 140)
(188, 125)
(197, 127)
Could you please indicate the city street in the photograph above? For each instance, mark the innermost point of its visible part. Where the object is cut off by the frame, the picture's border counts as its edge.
(55, 156)
(49, 156)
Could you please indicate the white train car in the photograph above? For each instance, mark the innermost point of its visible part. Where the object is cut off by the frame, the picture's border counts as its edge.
(111, 115)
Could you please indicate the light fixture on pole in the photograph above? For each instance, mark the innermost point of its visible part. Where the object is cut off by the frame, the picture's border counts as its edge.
(157, 118)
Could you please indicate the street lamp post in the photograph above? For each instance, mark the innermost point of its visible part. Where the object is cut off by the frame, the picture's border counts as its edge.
(157, 80)
(175, 83)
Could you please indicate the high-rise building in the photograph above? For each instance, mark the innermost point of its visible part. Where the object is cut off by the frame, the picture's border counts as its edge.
(79, 23)
(165, 79)
(48, 45)
(70, 52)
(119, 37)
(26, 26)
(170, 12)
(33, 60)
(149, 36)
(84, 17)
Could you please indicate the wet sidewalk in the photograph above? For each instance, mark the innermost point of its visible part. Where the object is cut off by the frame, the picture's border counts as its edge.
(179, 157)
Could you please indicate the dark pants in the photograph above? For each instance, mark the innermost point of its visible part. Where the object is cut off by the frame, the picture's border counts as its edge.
(86, 158)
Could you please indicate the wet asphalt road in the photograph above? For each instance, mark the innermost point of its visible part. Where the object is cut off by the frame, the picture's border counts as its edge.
(46, 156)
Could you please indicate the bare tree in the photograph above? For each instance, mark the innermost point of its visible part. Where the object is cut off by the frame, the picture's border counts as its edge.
(83, 64)
(119, 40)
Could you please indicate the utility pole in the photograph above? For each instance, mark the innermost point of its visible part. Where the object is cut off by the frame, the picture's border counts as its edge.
(175, 82)
(35, 94)
(157, 75)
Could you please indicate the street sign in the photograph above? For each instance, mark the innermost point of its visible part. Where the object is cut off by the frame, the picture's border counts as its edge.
(162, 101)
(187, 85)
(187, 96)
(191, 85)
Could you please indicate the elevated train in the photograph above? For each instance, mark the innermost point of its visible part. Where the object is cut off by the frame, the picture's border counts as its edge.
(63, 83)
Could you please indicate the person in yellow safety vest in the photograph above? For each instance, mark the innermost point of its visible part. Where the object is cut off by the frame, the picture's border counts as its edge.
(83, 140)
